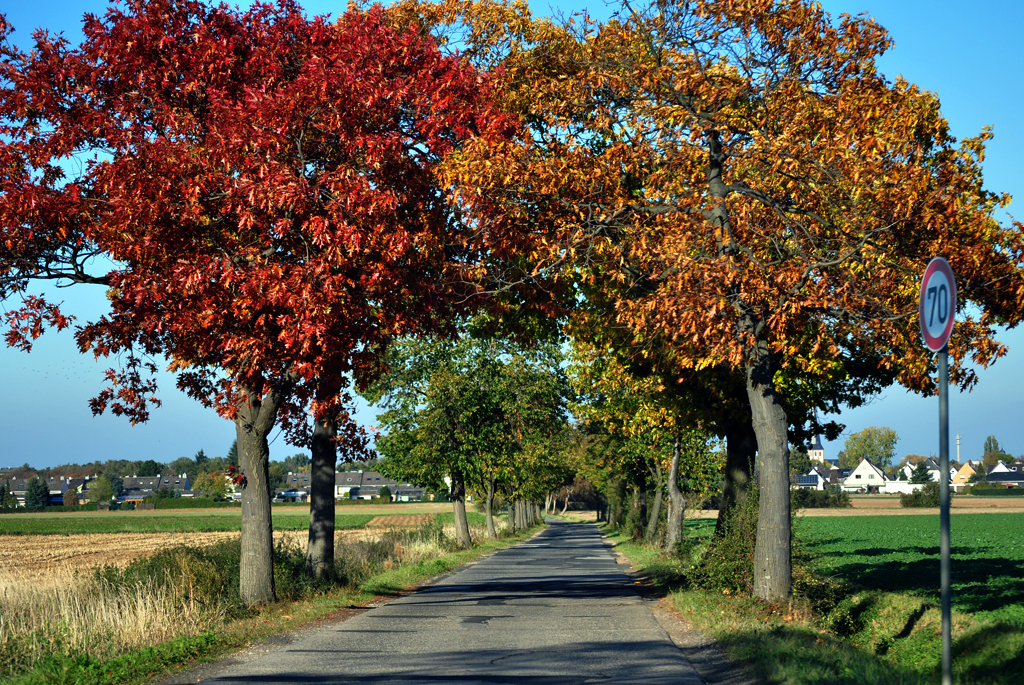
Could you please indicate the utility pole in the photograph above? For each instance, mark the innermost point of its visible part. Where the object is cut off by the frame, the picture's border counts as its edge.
(958, 445)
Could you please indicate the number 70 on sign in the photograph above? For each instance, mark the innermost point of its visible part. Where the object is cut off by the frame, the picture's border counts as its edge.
(937, 304)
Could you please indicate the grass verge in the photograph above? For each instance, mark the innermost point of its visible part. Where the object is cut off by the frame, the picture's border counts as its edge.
(54, 636)
(831, 632)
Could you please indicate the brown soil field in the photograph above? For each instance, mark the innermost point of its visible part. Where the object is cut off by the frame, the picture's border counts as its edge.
(42, 557)
(989, 506)
(963, 502)
(399, 521)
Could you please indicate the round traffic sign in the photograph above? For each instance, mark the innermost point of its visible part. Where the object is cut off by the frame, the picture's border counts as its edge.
(938, 304)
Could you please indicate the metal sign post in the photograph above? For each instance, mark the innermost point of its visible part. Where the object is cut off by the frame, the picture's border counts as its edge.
(935, 313)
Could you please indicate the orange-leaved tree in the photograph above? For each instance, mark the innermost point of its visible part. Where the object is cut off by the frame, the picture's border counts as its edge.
(766, 197)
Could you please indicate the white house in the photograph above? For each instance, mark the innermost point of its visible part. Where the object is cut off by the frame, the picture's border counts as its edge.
(1000, 467)
(899, 487)
(814, 480)
(933, 470)
(866, 476)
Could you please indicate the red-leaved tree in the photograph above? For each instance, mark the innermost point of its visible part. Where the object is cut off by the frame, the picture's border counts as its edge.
(264, 185)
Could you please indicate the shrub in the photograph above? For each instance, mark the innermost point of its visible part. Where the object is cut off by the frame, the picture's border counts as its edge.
(207, 575)
(832, 497)
(984, 489)
(192, 503)
(927, 496)
(62, 508)
(728, 562)
(616, 495)
(635, 523)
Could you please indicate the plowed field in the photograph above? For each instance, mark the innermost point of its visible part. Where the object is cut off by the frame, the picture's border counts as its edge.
(399, 521)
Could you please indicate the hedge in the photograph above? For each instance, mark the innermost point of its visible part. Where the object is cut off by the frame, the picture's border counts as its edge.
(192, 503)
(997, 492)
(59, 508)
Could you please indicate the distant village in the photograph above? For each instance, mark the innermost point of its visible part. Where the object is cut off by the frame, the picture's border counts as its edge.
(25, 486)
(910, 476)
(207, 479)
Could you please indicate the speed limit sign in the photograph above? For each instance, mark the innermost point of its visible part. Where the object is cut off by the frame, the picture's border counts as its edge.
(938, 304)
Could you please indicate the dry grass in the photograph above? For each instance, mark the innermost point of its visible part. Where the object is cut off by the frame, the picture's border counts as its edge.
(50, 558)
(590, 516)
(74, 612)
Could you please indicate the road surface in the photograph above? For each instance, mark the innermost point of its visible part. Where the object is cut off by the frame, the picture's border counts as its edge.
(554, 609)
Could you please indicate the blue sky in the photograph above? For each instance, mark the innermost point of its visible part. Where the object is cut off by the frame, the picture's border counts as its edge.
(968, 53)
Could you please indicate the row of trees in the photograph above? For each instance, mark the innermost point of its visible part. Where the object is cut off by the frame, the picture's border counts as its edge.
(724, 204)
(479, 416)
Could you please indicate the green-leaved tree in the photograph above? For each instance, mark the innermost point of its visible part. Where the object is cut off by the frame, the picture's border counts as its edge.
(920, 474)
(37, 494)
(469, 415)
(876, 444)
(100, 490)
(7, 498)
(799, 462)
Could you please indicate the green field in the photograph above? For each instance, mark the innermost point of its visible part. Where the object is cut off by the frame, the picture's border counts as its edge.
(165, 521)
(901, 554)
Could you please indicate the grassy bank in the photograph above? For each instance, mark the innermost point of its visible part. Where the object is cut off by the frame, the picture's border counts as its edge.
(181, 605)
(833, 631)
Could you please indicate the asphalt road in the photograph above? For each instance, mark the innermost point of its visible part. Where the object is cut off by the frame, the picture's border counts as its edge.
(554, 609)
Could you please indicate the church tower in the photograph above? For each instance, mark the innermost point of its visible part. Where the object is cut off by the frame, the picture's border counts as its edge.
(817, 452)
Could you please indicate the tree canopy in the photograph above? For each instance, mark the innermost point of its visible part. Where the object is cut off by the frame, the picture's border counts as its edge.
(759, 195)
(876, 444)
(475, 413)
(37, 494)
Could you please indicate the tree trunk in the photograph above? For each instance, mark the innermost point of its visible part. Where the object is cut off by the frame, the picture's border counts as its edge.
(253, 422)
(655, 513)
(492, 533)
(568, 496)
(773, 578)
(740, 448)
(676, 501)
(320, 550)
(459, 505)
(549, 503)
(511, 506)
